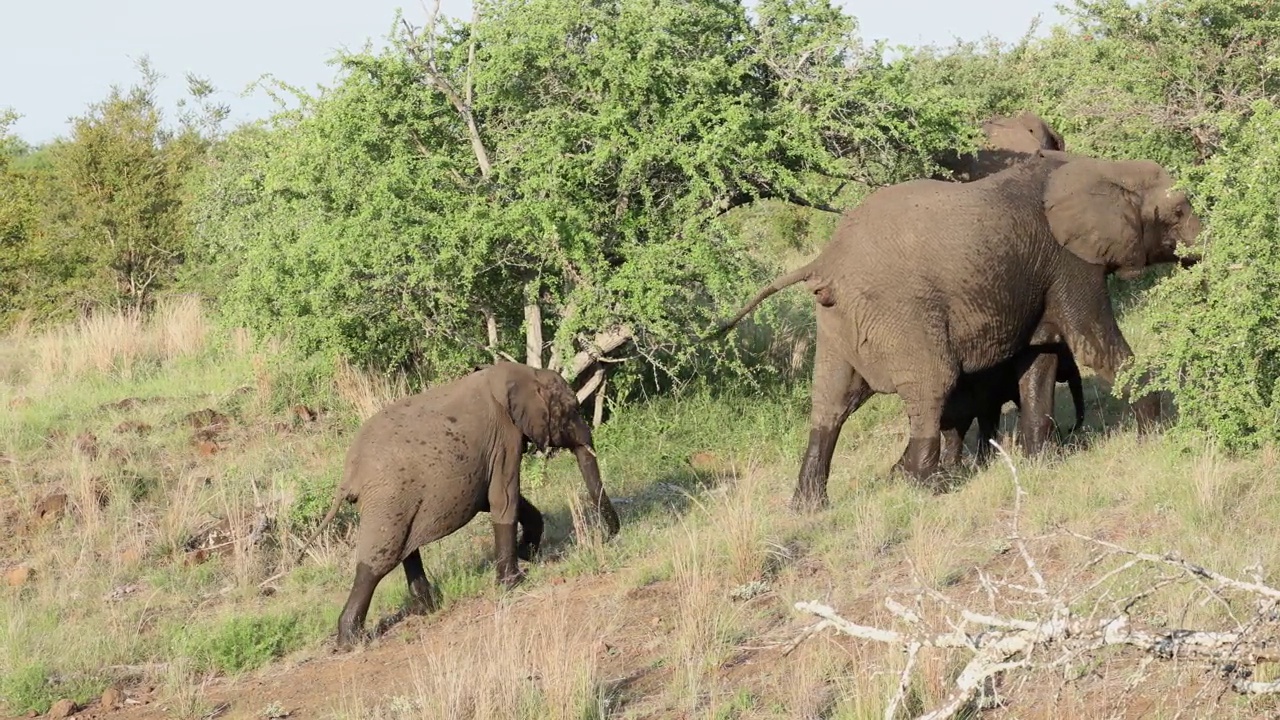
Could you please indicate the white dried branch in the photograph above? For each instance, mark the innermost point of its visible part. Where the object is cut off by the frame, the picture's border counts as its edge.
(1190, 568)
(904, 682)
(1000, 644)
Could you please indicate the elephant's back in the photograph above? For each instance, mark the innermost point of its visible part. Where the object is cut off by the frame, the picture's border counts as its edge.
(965, 261)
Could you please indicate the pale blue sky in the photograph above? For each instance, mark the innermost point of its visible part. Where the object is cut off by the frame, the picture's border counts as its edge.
(57, 56)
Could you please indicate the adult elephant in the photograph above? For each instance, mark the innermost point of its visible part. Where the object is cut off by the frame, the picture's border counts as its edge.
(425, 465)
(928, 280)
(1009, 140)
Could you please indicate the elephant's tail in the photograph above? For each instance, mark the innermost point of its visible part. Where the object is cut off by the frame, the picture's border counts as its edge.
(802, 273)
(342, 496)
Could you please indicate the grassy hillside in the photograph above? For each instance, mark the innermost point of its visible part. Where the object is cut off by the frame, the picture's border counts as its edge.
(152, 473)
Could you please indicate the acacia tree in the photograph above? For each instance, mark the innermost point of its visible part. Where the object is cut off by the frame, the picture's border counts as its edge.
(549, 180)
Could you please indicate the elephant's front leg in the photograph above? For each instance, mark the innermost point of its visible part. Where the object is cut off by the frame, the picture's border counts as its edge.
(530, 520)
(504, 509)
(1095, 341)
(838, 390)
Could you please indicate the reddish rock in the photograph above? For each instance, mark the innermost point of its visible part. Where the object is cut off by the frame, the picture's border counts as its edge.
(137, 427)
(51, 507)
(704, 461)
(86, 443)
(205, 418)
(19, 576)
(63, 709)
(112, 698)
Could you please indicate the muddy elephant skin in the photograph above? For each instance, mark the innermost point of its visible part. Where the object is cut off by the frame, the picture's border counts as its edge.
(927, 281)
(425, 465)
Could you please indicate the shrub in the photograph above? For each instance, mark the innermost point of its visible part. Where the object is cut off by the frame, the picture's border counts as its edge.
(1219, 323)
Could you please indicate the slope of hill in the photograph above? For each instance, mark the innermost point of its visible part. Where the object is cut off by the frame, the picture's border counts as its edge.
(153, 478)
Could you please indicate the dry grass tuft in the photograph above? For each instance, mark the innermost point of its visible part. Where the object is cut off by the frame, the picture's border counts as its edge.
(518, 670)
(367, 391)
(118, 344)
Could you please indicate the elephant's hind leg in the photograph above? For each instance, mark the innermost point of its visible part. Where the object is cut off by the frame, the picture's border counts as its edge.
(421, 601)
(351, 622)
(838, 390)
(378, 553)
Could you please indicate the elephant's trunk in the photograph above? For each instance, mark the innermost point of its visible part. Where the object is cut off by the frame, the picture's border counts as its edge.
(591, 475)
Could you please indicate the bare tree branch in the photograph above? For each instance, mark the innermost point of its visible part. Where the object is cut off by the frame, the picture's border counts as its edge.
(439, 81)
(1059, 636)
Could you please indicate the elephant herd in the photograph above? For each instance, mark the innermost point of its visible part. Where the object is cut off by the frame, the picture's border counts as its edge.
(957, 296)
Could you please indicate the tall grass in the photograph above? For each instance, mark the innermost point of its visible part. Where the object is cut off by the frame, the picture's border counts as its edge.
(119, 344)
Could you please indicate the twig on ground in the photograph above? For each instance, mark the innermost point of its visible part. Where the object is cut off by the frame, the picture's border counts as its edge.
(1058, 635)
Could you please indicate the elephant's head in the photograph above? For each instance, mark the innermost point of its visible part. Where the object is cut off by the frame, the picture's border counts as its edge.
(1025, 132)
(1008, 141)
(1124, 215)
(545, 409)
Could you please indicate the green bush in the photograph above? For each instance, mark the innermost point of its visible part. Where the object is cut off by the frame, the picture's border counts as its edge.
(1219, 323)
(249, 642)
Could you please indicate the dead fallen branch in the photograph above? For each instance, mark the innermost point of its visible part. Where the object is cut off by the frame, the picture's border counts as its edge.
(1055, 636)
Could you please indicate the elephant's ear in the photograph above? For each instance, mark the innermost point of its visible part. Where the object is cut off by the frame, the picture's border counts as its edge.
(527, 402)
(1095, 214)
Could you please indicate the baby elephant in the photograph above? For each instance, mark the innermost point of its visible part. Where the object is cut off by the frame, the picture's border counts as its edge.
(425, 465)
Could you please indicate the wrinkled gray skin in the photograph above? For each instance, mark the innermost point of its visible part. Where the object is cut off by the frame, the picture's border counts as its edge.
(1027, 247)
(425, 465)
(1009, 140)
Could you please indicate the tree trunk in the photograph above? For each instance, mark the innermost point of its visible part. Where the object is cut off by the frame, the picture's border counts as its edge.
(533, 335)
(598, 416)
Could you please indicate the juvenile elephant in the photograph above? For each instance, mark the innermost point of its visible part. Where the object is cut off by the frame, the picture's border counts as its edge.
(981, 397)
(928, 280)
(425, 465)
(1009, 140)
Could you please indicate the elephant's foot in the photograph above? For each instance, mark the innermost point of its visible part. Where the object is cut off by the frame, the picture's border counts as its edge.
(505, 553)
(351, 622)
(919, 462)
(347, 640)
(806, 500)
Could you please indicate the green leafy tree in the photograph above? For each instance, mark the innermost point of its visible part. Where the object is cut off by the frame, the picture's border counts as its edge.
(551, 180)
(1219, 322)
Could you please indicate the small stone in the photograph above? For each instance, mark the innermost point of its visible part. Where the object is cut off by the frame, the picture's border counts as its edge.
(205, 418)
(63, 709)
(705, 461)
(19, 576)
(112, 698)
(136, 427)
(51, 507)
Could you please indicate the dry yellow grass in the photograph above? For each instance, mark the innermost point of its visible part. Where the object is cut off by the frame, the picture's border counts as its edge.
(718, 561)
